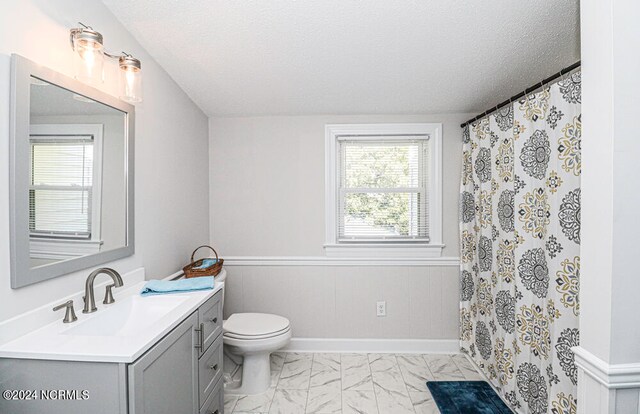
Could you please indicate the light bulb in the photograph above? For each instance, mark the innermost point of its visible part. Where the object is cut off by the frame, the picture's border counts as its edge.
(130, 79)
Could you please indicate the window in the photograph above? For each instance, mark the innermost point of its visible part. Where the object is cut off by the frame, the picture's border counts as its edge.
(383, 192)
(60, 191)
(64, 190)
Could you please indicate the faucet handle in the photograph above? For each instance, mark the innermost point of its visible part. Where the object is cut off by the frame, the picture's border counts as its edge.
(70, 314)
(108, 295)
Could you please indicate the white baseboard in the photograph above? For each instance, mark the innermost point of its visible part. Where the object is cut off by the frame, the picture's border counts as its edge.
(396, 346)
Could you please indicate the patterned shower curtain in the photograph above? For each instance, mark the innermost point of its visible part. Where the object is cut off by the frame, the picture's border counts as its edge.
(520, 242)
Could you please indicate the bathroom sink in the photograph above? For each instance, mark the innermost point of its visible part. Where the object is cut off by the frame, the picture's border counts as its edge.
(119, 332)
(127, 317)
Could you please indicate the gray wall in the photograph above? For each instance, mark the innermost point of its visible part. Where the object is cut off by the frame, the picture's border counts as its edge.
(171, 173)
(340, 301)
(267, 200)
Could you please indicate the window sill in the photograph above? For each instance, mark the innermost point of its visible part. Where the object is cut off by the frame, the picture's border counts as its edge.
(386, 250)
(60, 249)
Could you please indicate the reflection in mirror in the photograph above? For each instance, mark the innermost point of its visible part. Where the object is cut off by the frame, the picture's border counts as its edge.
(77, 175)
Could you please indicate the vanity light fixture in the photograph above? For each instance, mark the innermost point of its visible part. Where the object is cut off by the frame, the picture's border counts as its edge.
(88, 62)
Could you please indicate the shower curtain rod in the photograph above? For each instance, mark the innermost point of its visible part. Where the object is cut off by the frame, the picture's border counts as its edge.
(523, 93)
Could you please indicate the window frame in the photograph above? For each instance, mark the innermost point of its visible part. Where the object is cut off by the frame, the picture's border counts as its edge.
(60, 248)
(399, 249)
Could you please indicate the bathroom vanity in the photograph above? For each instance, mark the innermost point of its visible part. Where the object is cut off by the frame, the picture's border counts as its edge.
(155, 354)
(72, 145)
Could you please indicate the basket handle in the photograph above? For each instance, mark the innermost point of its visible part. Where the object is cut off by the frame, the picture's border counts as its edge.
(204, 245)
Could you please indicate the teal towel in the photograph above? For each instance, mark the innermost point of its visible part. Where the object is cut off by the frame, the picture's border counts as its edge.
(206, 263)
(163, 287)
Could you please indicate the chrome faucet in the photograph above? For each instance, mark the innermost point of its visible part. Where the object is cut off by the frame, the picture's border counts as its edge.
(89, 299)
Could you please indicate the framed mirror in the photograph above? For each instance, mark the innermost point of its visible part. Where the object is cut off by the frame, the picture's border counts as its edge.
(71, 173)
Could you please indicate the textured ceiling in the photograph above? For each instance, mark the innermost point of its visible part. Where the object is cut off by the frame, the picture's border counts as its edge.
(353, 56)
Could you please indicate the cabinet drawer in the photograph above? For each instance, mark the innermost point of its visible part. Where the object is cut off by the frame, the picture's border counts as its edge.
(215, 402)
(210, 318)
(210, 369)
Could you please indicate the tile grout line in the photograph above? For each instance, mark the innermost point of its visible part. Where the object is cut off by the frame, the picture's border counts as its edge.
(341, 385)
(459, 369)
(373, 384)
(395, 358)
(306, 404)
(234, 404)
(405, 381)
(322, 385)
(375, 394)
(428, 368)
(340, 389)
(277, 382)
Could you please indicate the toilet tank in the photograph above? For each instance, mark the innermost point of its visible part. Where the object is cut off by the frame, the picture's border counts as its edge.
(220, 278)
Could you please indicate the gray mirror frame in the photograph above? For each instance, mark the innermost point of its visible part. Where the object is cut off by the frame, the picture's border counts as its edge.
(21, 273)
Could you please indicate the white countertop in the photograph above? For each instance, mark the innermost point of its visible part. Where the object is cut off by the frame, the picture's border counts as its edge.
(82, 341)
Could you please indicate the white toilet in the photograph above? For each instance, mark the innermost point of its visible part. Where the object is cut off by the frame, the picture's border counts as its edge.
(253, 336)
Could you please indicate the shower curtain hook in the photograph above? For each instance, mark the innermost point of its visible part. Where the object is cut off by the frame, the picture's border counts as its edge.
(526, 98)
(563, 75)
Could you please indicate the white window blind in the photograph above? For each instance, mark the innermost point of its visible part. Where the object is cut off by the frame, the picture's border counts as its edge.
(61, 186)
(382, 189)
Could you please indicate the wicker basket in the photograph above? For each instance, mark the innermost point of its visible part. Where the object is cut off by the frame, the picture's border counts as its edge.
(190, 271)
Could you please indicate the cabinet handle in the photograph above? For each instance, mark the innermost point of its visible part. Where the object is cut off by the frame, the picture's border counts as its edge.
(215, 412)
(214, 320)
(213, 367)
(201, 335)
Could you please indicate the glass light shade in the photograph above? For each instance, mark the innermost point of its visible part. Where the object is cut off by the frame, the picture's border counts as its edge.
(88, 59)
(130, 79)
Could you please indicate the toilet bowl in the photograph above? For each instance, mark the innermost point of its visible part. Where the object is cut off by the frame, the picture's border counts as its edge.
(253, 337)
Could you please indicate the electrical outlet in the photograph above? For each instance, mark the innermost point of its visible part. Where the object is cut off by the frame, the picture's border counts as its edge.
(381, 308)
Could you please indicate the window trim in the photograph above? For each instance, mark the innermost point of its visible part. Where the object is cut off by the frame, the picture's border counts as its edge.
(405, 249)
(60, 248)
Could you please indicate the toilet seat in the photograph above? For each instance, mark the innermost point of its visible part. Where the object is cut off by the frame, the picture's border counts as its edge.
(253, 326)
(255, 337)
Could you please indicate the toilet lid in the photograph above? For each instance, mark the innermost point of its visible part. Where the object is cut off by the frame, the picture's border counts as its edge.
(255, 324)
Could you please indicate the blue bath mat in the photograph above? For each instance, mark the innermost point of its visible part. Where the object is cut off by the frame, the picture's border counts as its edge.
(466, 397)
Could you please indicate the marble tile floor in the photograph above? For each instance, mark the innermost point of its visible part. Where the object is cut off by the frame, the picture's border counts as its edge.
(305, 383)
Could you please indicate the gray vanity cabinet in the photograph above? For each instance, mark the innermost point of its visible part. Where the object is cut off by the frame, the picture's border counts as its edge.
(165, 379)
(180, 374)
(183, 372)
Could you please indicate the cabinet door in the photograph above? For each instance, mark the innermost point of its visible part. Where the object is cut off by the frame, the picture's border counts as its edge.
(165, 379)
